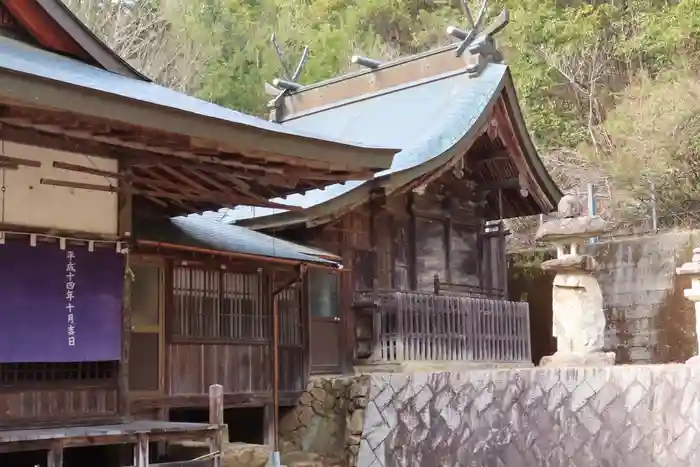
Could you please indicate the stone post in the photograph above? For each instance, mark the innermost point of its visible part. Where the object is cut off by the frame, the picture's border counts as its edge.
(577, 301)
(692, 269)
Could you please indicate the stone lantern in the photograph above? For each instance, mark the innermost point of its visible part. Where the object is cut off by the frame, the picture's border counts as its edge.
(692, 269)
(577, 300)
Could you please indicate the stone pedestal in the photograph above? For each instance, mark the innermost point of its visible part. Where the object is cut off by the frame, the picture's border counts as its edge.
(692, 269)
(573, 359)
(577, 301)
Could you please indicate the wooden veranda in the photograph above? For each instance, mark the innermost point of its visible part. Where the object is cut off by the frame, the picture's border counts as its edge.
(407, 326)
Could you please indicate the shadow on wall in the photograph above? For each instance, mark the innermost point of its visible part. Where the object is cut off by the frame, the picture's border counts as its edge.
(648, 318)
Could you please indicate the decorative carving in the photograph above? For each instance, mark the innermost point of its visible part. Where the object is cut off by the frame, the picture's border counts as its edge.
(577, 300)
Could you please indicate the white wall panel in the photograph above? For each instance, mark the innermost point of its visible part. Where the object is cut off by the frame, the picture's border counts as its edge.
(27, 202)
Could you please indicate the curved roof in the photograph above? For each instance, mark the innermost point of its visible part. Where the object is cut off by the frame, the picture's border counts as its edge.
(55, 27)
(209, 234)
(434, 120)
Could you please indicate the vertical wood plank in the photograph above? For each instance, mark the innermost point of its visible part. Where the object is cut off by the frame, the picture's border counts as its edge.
(141, 451)
(216, 417)
(526, 334)
(55, 456)
(216, 404)
(123, 382)
(410, 327)
(400, 328)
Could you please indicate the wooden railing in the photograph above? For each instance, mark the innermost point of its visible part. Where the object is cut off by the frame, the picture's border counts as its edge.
(418, 326)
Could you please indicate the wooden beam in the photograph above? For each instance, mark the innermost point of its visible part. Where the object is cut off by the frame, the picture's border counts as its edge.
(20, 161)
(246, 160)
(223, 199)
(186, 180)
(86, 170)
(83, 135)
(509, 183)
(78, 185)
(58, 142)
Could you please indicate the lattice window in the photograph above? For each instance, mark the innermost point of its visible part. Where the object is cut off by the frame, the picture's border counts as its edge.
(291, 323)
(49, 372)
(215, 304)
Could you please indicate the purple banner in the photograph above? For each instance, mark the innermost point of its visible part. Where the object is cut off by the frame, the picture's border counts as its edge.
(60, 305)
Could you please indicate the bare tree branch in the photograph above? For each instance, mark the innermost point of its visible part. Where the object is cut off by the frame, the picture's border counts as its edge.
(144, 37)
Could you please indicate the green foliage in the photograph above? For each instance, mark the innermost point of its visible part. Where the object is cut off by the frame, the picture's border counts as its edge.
(598, 79)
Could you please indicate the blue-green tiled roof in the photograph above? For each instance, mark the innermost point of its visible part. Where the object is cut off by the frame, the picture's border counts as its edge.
(18, 57)
(207, 232)
(424, 118)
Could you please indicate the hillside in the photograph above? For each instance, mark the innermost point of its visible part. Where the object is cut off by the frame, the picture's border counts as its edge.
(609, 89)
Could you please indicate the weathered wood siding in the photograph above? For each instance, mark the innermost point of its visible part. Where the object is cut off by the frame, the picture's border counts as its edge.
(220, 332)
(60, 406)
(405, 241)
(239, 368)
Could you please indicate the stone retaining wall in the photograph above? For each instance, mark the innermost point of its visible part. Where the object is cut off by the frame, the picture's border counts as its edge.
(623, 416)
(648, 319)
(328, 420)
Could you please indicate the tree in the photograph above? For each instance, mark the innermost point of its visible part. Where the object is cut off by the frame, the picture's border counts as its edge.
(154, 37)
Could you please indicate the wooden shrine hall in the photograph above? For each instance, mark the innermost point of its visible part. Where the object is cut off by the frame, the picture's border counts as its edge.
(424, 239)
(119, 310)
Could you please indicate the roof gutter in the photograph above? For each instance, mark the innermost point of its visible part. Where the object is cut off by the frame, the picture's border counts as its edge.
(235, 255)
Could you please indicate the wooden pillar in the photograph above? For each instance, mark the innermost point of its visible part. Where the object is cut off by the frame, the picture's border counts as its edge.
(305, 317)
(141, 451)
(123, 383)
(124, 223)
(412, 244)
(216, 418)
(162, 446)
(269, 425)
(55, 456)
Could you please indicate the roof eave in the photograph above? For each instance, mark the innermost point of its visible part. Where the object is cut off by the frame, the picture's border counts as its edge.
(543, 177)
(37, 91)
(320, 213)
(322, 262)
(88, 41)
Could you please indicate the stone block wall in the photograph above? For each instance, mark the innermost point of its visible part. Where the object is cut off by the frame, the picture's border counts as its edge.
(622, 416)
(328, 420)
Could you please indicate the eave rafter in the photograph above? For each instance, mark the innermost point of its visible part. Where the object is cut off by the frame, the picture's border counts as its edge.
(171, 171)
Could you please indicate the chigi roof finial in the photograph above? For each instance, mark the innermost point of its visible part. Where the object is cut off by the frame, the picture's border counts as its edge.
(288, 81)
(477, 39)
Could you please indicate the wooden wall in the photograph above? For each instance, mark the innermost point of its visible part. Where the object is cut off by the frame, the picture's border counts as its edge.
(64, 406)
(218, 330)
(404, 241)
(40, 394)
(239, 368)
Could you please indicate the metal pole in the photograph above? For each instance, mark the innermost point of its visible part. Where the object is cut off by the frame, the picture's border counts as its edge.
(275, 380)
(654, 214)
(590, 189)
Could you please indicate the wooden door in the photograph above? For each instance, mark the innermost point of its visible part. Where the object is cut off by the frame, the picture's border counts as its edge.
(146, 350)
(326, 334)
